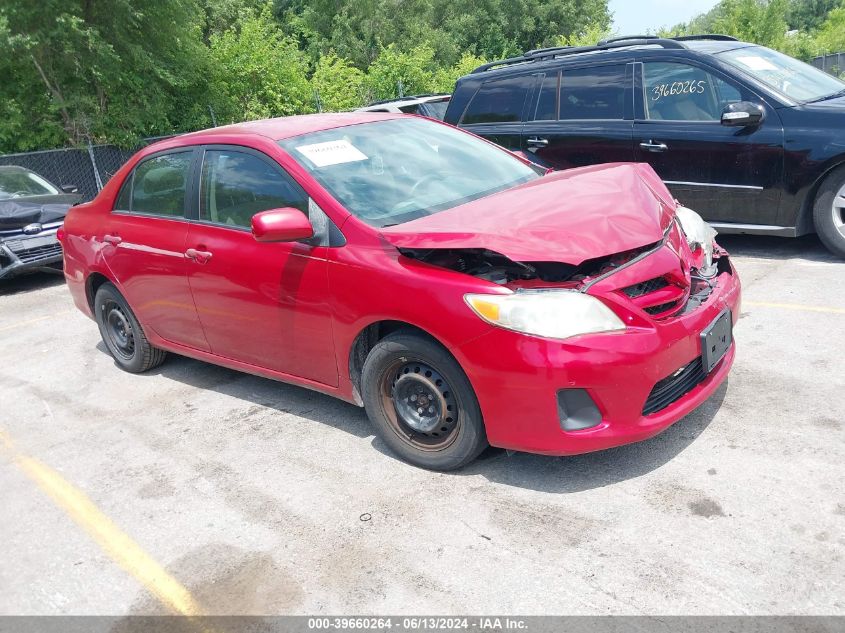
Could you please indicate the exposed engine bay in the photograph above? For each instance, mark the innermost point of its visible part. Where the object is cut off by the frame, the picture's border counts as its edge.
(499, 269)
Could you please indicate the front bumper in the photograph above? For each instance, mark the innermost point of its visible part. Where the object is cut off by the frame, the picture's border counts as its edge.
(20, 252)
(517, 379)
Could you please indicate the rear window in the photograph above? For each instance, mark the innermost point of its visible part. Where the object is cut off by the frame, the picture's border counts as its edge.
(593, 93)
(498, 101)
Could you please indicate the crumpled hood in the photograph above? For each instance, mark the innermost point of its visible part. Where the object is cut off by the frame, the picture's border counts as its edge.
(569, 216)
(18, 212)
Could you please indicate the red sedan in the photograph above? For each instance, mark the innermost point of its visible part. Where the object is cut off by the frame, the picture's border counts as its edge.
(463, 297)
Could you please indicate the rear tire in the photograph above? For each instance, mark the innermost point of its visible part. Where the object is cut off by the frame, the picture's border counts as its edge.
(421, 403)
(122, 334)
(829, 212)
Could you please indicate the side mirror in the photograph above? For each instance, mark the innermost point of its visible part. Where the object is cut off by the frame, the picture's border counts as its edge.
(281, 225)
(70, 188)
(743, 114)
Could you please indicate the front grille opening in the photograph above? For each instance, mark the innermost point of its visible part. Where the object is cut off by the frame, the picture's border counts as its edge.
(645, 287)
(661, 308)
(674, 387)
(40, 252)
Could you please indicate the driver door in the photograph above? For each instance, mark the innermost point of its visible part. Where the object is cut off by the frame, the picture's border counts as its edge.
(727, 174)
(265, 304)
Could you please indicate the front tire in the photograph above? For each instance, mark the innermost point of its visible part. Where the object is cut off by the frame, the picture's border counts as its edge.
(421, 403)
(122, 334)
(829, 212)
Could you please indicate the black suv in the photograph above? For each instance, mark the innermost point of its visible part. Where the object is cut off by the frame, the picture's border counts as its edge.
(750, 138)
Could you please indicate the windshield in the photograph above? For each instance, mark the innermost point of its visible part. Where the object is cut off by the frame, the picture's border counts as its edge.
(389, 172)
(795, 79)
(21, 183)
(436, 109)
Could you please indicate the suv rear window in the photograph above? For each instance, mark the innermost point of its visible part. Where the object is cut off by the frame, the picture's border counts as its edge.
(593, 93)
(498, 101)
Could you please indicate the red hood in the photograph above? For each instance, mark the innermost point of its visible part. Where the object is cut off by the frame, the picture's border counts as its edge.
(568, 216)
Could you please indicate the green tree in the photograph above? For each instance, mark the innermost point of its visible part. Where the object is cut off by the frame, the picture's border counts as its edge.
(808, 15)
(392, 68)
(339, 84)
(831, 35)
(445, 78)
(258, 72)
(753, 21)
(101, 70)
(359, 29)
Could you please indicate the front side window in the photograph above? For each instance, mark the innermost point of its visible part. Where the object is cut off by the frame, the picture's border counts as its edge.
(498, 101)
(234, 186)
(390, 172)
(158, 185)
(593, 93)
(681, 92)
(795, 79)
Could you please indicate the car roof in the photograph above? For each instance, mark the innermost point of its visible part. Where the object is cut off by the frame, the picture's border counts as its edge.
(8, 168)
(287, 127)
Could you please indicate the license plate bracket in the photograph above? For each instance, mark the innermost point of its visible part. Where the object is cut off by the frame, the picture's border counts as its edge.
(716, 340)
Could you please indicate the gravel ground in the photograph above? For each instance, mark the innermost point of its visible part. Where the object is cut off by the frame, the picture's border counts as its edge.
(253, 497)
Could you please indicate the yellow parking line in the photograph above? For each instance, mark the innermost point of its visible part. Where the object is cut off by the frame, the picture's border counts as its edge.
(114, 542)
(793, 306)
(19, 324)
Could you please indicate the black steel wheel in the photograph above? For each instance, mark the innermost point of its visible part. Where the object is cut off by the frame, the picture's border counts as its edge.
(421, 402)
(122, 334)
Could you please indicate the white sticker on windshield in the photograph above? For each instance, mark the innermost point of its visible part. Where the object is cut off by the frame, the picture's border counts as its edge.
(331, 153)
(756, 63)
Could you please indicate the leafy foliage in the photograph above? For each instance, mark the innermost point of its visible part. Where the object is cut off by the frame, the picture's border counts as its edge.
(338, 84)
(258, 72)
(117, 70)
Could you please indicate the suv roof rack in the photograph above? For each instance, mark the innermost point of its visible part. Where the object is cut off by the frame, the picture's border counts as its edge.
(708, 36)
(541, 54)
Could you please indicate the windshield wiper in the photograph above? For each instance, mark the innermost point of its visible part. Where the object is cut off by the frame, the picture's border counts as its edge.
(841, 93)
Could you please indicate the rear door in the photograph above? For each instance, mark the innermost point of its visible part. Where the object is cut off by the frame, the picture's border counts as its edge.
(582, 116)
(498, 108)
(144, 246)
(265, 304)
(727, 174)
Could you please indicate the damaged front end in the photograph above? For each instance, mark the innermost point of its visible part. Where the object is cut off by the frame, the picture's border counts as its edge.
(665, 279)
(28, 235)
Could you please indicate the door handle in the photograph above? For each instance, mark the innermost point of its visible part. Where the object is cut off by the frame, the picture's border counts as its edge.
(536, 141)
(651, 146)
(198, 256)
(112, 239)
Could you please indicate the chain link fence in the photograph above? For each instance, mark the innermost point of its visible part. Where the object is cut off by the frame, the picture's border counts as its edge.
(87, 168)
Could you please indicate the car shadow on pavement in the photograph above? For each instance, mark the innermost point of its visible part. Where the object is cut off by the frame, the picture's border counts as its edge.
(808, 247)
(262, 392)
(538, 472)
(30, 282)
(578, 473)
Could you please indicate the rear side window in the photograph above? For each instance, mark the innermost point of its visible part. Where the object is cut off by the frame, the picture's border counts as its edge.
(158, 185)
(498, 101)
(236, 185)
(593, 93)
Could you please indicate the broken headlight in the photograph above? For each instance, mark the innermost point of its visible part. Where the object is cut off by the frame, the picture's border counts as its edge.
(698, 234)
(549, 313)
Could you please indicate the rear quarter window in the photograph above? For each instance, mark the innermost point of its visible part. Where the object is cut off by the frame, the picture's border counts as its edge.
(498, 101)
(593, 93)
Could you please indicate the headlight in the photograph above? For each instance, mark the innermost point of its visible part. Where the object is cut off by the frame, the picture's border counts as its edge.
(550, 313)
(698, 233)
